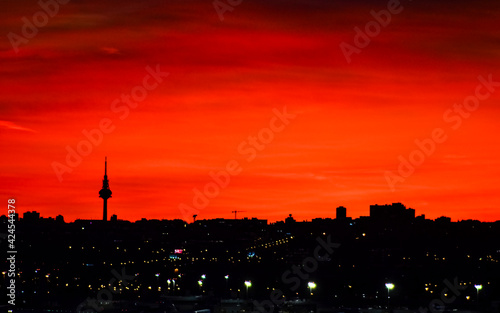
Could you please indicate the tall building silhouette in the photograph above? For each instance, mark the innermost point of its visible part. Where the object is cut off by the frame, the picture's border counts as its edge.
(105, 192)
(341, 213)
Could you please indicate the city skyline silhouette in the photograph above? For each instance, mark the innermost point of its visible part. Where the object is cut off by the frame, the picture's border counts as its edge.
(329, 265)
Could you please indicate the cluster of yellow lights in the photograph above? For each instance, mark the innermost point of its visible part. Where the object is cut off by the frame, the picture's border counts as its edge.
(270, 244)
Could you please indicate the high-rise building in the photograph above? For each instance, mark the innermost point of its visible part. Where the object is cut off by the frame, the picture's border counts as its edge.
(341, 213)
(105, 192)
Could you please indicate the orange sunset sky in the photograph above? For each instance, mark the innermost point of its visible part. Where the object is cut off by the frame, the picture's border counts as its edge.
(353, 123)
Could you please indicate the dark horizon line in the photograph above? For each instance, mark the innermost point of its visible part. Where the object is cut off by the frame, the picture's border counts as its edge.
(419, 217)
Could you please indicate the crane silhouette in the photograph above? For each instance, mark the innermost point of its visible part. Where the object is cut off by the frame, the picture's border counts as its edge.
(235, 212)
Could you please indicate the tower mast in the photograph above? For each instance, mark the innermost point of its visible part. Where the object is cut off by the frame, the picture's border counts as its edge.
(105, 192)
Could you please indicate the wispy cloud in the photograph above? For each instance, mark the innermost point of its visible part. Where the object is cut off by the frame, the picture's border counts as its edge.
(13, 126)
(110, 50)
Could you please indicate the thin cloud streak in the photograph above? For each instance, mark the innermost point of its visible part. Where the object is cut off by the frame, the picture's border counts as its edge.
(13, 126)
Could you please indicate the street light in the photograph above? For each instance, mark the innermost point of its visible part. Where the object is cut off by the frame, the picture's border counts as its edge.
(478, 287)
(226, 278)
(389, 287)
(248, 284)
(311, 286)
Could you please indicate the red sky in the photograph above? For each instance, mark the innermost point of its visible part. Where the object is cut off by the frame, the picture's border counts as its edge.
(353, 120)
